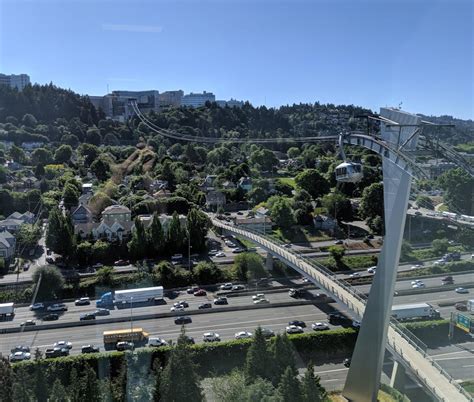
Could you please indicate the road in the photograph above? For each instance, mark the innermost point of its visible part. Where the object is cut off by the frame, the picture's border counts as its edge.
(426, 213)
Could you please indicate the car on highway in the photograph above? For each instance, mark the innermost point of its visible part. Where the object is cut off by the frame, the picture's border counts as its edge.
(460, 306)
(36, 306)
(184, 319)
(220, 254)
(418, 213)
(191, 291)
(298, 323)
(288, 245)
(416, 281)
(440, 262)
(320, 326)
(221, 300)
(124, 345)
(19, 356)
(294, 329)
(418, 285)
(339, 242)
(121, 263)
(28, 323)
(87, 316)
(226, 286)
(347, 362)
(203, 306)
(461, 290)
(102, 311)
(211, 337)
(200, 292)
(238, 287)
(212, 253)
(186, 339)
(356, 324)
(56, 352)
(338, 319)
(20, 348)
(243, 335)
(177, 308)
(90, 349)
(306, 280)
(57, 307)
(416, 266)
(83, 301)
(261, 301)
(354, 275)
(183, 303)
(258, 296)
(51, 317)
(268, 333)
(372, 270)
(157, 342)
(63, 344)
(238, 250)
(294, 293)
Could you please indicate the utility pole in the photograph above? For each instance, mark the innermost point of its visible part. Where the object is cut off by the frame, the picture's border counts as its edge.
(189, 248)
(131, 321)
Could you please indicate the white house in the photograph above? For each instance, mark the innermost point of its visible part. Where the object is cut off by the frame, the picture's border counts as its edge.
(7, 245)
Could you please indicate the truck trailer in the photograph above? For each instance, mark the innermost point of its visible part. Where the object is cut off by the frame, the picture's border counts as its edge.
(6, 310)
(470, 306)
(130, 296)
(418, 311)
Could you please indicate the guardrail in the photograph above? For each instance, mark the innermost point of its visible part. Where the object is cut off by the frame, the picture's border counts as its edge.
(397, 333)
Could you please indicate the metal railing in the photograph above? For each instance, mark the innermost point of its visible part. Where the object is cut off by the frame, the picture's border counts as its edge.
(330, 282)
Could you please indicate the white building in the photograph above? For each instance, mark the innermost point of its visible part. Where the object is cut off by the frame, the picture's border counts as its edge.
(19, 81)
(230, 103)
(197, 100)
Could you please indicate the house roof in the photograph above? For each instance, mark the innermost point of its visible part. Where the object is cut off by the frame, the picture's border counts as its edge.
(11, 222)
(80, 207)
(116, 209)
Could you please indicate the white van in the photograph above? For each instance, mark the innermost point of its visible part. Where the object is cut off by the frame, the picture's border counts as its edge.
(157, 342)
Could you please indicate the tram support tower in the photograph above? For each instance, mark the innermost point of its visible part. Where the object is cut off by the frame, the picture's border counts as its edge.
(363, 379)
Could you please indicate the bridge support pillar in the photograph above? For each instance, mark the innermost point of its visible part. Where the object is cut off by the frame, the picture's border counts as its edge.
(363, 379)
(398, 379)
(269, 262)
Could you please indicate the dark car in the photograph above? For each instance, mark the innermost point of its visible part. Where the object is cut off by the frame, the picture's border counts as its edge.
(121, 346)
(183, 320)
(186, 339)
(338, 319)
(192, 290)
(102, 311)
(21, 348)
(90, 349)
(347, 362)
(460, 306)
(87, 316)
(298, 323)
(221, 300)
(51, 317)
(56, 352)
(200, 292)
(204, 306)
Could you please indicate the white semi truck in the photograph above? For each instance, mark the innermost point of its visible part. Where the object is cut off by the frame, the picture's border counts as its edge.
(128, 296)
(7, 310)
(470, 306)
(417, 311)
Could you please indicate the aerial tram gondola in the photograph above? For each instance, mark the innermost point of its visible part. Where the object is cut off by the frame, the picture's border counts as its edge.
(347, 172)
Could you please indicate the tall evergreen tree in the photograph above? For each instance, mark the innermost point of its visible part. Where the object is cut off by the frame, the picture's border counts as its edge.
(156, 236)
(60, 234)
(289, 387)
(311, 388)
(75, 386)
(58, 392)
(283, 357)
(138, 244)
(22, 390)
(258, 362)
(39, 379)
(90, 389)
(198, 226)
(175, 235)
(6, 380)
(179, 381)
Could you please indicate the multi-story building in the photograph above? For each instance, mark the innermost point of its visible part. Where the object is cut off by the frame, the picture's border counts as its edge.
(197, 100)
(18, 81)
(230, 103)
(170, 98)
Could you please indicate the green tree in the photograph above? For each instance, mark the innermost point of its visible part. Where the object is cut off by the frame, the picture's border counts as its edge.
(198, 225)
(90, 385)
(156, 236)
(313, 182)
(17, 154)
(424, 201)
(258, 362)
(101, 168)
(337, 252)
(440, 246)
(93, 136)
(70, 196)
(29, 120)
(52, 282)
(264, 159)
(84, 253)
(89, 152)
(39, 379)
(100, 250)
(75, 388)
(179, 381)
(22, 390)
(289, 387)
(248, 266)
(6, 380)
(41, 156)
(283, 357)
(58, 392)
(27, 236)
(175, 236)
(282, 213)
(293, 152)
(311, 388)
(105, 276)
(338, 206)
(60, 234)
(459, 190)
(206, 273)
(138, 245)
(63, 154)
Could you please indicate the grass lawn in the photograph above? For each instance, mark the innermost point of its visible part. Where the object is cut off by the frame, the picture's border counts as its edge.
(300, 234)
(288, 180)
(468, 386)
(354, 263)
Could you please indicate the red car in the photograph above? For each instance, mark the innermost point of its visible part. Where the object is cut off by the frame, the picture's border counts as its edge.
(200, 292)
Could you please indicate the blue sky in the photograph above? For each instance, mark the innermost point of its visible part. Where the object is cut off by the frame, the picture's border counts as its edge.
(369, 53)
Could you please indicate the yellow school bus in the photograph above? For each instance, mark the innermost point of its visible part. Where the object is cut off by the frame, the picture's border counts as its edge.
(135, 335)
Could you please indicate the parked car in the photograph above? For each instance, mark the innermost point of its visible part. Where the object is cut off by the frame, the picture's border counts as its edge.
(28, 323)
(461, 290)
(122, 346)
(243, 335)
(57, 307)
(51, 317)
(320, 326)
(184, 319)
(203, 306)
(221, 300)
(90, 349)
(211, 337)
(294, 329)
(220, 254)
(298, 323)
(102, 311)
(83, 301)
(36, 306)
(19, 356)
(156, 342)
(87, 317)
(63, 344)
(200, 292)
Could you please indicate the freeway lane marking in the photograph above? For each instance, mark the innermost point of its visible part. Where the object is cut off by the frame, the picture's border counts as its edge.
(469, 365)
(455, 358)
(451, 353)
(331, 371)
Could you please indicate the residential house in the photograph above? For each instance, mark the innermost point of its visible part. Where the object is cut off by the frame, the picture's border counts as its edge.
(31, 145)
(245, 183)
(261, 225)
(215, 199)
(261, 212)
(116, 213)
(81, 214)
(157, 185)
(7, 245)
(208, 183)
(322, 222)
(165, 220)
(26, 217)
(86, 188)
(13, 222)
(228, 185)
(162, 193)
